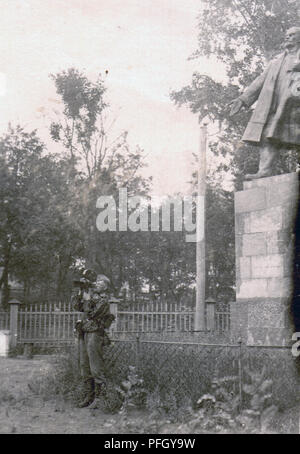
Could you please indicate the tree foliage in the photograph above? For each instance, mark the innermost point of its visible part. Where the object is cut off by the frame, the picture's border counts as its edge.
(48, 205)
(36, 233)
(103, 164)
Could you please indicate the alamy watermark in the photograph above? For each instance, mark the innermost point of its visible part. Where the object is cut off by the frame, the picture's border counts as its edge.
(141, 214)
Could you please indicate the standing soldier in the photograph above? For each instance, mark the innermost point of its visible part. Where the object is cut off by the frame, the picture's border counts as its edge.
(93, 301)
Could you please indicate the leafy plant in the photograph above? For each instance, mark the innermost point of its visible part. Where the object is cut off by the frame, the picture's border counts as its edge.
(217, 411)
(259, 392)
(220, 410)
(132, 391)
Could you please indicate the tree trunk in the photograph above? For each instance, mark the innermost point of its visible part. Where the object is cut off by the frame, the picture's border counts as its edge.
(4, 278)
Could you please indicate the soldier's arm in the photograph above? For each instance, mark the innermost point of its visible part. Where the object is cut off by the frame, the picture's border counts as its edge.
(101, 312)
(108, 320)
(98, 310)
(77, 303)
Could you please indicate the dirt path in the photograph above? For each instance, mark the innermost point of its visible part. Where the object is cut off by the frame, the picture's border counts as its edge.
(22, 412)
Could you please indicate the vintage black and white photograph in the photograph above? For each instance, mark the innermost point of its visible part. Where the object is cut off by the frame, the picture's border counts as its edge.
(149, 219)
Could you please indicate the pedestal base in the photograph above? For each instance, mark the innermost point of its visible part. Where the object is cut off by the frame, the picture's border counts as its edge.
(265, 214)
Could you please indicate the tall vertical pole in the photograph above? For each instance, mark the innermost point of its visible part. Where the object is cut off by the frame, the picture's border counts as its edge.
(200, 323)
(13, 324)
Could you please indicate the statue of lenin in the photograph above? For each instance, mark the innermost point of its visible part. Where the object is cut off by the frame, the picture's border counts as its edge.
(275, 122)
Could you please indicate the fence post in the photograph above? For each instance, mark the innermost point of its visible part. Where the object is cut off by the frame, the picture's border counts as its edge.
(240, 373)
(210, 314)
(13, 324)
(137, 351)
(114, 311)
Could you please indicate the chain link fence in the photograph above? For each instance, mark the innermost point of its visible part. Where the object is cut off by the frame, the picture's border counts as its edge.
(185, 371)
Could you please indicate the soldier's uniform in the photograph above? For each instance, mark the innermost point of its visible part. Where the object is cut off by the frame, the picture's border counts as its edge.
(93, 337)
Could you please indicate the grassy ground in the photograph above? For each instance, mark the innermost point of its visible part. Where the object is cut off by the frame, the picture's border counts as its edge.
(22, 411)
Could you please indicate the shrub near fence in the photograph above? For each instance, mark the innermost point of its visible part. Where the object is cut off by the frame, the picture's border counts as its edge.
(176, 371)
(181, 372)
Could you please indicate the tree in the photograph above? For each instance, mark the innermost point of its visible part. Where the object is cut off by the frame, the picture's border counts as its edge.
(83, 132)
(101, 164)
(36, 233)
(162, 260)
(166, 262)
(83, 104)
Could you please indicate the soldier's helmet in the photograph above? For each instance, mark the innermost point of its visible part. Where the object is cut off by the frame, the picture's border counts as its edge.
(102, 284)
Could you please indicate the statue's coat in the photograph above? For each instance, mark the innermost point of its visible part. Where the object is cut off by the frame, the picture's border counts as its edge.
(283, 125)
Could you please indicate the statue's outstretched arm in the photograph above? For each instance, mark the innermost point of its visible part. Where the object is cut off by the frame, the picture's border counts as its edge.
(250, 95)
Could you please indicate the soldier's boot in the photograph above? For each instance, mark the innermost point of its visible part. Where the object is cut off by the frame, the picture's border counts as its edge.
(268, 158)
(100, 390)
(90, 393)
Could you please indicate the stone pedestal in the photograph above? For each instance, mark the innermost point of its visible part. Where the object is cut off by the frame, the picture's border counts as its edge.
(265, 213)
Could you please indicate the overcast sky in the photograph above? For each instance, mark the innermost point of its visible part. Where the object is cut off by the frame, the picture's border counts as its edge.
(143, 44)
